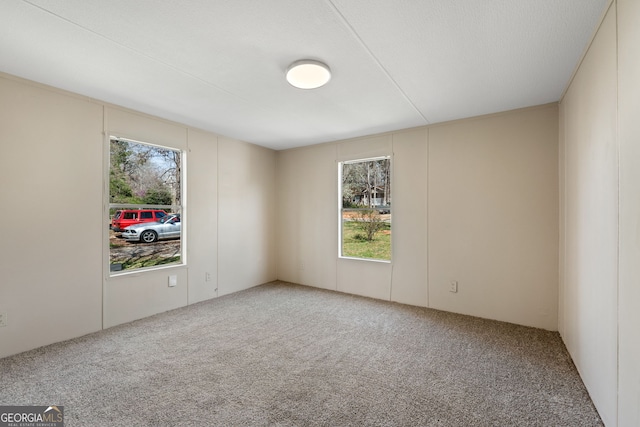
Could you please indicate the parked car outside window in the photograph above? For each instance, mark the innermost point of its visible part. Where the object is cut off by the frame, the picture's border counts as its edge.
(149, 232)
(124, 218)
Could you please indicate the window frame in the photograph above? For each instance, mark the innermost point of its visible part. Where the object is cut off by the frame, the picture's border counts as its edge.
(109, 207)
(341, 209)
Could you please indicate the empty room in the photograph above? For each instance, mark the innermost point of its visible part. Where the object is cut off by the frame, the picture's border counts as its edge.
(320, 213)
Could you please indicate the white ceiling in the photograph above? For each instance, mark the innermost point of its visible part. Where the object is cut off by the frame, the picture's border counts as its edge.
(219, 64)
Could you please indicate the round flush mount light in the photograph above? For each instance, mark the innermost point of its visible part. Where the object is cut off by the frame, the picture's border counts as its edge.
(308, 74)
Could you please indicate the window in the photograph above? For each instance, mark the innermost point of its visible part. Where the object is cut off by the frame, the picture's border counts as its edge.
(145, 205)
(365, 211)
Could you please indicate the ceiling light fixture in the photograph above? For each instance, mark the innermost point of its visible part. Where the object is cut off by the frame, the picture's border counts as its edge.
(308, 74)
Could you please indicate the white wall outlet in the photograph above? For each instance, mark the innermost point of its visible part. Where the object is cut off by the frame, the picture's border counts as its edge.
(453, 286)
(207, 277)
(173, 280)
(3, 319)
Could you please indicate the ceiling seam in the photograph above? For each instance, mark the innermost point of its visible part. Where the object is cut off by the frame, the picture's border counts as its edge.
(173, 67)
(375, 59)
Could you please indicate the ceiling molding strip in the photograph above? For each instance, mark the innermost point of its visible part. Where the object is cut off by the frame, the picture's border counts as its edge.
(375, 59)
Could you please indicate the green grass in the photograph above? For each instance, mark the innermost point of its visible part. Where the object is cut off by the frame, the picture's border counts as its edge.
(355, 245)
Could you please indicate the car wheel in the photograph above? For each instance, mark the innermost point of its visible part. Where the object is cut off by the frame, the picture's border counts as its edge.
(148, 236)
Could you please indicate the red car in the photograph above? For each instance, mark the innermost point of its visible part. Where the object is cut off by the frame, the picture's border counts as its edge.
(124, 218)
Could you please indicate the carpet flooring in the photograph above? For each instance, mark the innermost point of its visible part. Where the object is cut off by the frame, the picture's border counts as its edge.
(288, 355)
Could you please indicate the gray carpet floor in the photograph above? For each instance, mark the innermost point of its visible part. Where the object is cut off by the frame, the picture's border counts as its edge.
(288, 355)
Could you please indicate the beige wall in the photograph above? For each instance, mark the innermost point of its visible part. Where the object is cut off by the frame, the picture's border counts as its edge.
(589, 285)
(54, 263)
(202, 229)
(409, 276)
(51, 191)
(629, 282)
(493, 217)
(306, 224)
(246, 212)
(599, 292)
(458, 189)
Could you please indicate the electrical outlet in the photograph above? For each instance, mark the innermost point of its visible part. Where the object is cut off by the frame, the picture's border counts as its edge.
(3, 319)
(453, 286)
(207, 277)
(173, 281)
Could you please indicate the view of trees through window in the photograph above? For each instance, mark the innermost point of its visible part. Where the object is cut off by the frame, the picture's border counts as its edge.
(366, 209)
(145, 203)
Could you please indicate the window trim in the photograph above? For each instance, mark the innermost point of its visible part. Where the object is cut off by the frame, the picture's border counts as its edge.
(107, 207)
(340, 164)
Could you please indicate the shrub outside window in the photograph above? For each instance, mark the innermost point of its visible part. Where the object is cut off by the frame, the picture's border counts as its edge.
(145, 205)
(365, 209)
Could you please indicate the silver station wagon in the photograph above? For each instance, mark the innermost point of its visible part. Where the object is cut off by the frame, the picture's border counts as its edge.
(149, 232)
